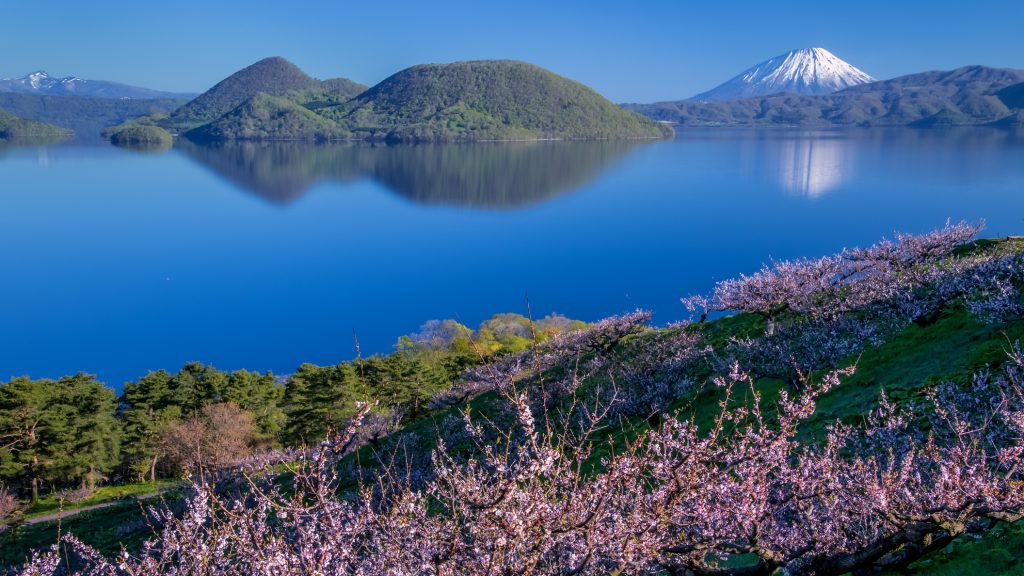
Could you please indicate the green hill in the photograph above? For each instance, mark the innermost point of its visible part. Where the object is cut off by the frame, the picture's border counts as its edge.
(266, 117)
(273, 76)
(486, 100)
(13, 127)
(972, 95)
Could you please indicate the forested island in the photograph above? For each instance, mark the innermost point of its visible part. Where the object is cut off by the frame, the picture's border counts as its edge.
(849, 413)
(459, 102)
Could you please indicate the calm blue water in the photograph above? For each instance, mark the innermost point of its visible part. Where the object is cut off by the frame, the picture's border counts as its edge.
(265, 256)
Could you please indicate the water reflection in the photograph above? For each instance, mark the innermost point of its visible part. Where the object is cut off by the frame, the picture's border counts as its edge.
(167, 245)
(813, 167)
(490, 175)
(40, 142)
(812, 164)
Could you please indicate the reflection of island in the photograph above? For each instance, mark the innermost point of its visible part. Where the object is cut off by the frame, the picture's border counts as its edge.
(30, 142)
(278, 171)
(812, 167)
(500, 175)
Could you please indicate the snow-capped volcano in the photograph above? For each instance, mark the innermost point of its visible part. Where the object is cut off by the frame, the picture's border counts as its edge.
(39, 82)
(804, 71)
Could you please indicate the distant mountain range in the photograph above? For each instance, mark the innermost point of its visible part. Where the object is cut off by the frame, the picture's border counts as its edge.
(39, 82)
(85, 116)
(973, 95)
(804, 71)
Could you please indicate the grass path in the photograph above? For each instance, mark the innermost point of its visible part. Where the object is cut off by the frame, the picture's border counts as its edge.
(66, 513)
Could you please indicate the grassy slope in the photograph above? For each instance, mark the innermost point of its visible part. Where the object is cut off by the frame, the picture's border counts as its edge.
(107, 529)
(52, 503)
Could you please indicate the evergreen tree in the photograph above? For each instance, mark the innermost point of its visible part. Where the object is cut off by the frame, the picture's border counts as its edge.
(319, 399)
(23, 414)
(59, 432)
(147, 407)
(261, 395)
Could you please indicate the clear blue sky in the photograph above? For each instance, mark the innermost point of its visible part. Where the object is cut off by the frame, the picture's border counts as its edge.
(629, 51)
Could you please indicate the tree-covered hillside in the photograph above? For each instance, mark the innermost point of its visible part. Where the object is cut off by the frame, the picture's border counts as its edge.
(273, 76)
(265, 117)
(965, 96)
(86, 117)
(13, 127)
(465, 101)
(140, 135)
(486, 100)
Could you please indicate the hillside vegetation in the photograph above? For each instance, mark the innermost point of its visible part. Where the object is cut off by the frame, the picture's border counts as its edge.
(140, 135)
(973, 95)
(265, 117)
(13, 127)
(86, 117)
(271, 76)
(487, 100)
(464, 101)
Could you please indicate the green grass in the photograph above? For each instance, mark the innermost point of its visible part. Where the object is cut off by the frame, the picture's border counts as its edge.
(52, 503)
(954, 348)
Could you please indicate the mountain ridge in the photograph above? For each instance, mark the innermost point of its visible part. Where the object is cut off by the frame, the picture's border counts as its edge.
(963, 96)
(42, 83)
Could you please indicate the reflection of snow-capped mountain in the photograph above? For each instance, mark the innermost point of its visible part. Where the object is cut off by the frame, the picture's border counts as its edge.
(39, 82)
(813, 167)
(805, 71)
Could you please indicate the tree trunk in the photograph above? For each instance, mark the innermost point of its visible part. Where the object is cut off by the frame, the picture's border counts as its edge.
(35, 479)
(152, 469)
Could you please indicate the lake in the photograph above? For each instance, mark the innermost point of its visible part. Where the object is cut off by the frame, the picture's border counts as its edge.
(264, 256)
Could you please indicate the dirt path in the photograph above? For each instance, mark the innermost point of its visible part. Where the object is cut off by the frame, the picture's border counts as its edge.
(76, 511)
